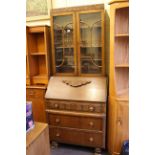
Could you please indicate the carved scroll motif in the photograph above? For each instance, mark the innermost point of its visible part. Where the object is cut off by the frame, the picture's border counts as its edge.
(77, 83)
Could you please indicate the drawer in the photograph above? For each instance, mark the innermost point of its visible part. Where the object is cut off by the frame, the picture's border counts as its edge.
(34, 93)
(73, 136)
(76, 106)
(79, 122)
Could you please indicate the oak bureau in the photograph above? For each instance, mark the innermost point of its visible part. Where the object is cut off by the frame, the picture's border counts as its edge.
(76, 110)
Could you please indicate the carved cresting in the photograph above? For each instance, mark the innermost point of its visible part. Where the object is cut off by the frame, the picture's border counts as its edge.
(77, 83)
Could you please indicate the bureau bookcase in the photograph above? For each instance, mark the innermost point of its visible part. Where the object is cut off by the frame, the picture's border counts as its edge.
(37, 68)
(118, 117)
(76, 95)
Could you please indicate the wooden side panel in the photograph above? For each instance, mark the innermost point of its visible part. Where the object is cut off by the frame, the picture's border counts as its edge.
(122, 81)
(27, 60)
(122, 125)
(111, 73)
(40, 144)
(42, 65)
(122, 50)
(48, 49)
(111, 124)
(122, 16)
(40, 43)
(118, 125)
(38, 103)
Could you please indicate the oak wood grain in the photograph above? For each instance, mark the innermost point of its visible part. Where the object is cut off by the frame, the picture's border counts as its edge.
(37, 140)
(118, 106)
(94, 91)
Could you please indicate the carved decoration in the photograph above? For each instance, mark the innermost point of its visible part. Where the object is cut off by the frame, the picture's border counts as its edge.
(77, 83)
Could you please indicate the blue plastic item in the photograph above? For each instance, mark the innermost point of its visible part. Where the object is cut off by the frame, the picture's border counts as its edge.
(125, 148)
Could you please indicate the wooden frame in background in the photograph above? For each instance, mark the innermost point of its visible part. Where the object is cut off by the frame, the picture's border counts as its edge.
(38, 10)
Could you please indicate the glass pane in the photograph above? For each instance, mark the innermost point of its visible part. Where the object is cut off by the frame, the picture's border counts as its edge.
(90, 43)
(63, 41)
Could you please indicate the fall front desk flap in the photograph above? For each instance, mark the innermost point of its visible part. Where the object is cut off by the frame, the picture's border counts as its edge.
(77, 88)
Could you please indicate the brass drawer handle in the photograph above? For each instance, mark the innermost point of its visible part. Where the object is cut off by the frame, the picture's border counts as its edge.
(91, 139)
(91, 124)
(58, 135)
(91, 108)
(57, 120)
(56, 105)
(119, 122)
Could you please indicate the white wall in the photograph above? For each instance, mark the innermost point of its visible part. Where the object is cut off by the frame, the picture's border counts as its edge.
(69, 3)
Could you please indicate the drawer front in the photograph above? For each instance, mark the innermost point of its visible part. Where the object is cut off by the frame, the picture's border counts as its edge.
(34, 93)
(79, 122)
(73, 136)
(76, 106)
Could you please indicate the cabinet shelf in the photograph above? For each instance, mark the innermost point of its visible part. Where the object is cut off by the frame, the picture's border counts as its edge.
(60, 29)
(66, 69)
(88, 58)
(122, 35)
(85, 59)
(68, 58)
(66, 66)
(60, 47)
(95, 27)
(91, 66)
(37, 53)
(89, 46)
(36, 29)
(39, 76)
(122, 65)
(123, 94)
(90, 70)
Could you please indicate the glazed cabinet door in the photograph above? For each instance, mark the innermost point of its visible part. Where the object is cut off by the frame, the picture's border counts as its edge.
(63, 43)
(122, 125)
(90, 42)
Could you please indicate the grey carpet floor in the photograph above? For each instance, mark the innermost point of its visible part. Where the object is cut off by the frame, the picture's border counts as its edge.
(64, 149)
